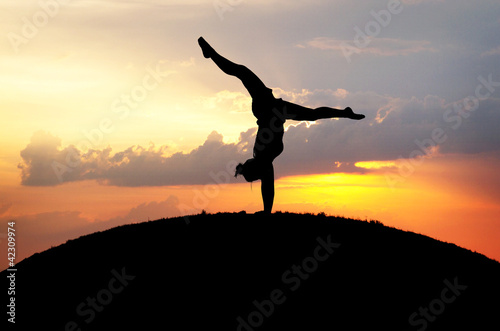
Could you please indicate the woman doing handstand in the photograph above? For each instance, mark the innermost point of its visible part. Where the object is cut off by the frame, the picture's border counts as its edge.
(271, 114)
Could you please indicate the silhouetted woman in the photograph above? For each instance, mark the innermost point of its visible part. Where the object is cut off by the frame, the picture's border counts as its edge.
(271, 114)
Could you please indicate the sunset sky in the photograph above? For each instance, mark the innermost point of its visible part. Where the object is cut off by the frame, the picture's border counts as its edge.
(111, 115)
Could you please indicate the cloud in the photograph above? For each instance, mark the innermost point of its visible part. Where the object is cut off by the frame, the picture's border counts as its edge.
(491, 52)
(316, 98)
(39, 158)
(45, 163)
(394, 128)
(416, 2)
(238, 102)
(372, 46)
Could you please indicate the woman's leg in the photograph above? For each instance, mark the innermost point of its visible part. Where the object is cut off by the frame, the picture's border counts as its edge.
(252, 83)
(300, 113)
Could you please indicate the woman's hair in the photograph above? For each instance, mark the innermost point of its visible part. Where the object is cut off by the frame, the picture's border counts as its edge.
(250, 170)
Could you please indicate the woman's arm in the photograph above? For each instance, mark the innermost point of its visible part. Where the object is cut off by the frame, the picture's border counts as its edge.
(267, 188)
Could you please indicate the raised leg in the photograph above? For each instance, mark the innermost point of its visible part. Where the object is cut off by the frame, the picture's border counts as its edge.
(252, 83)
(300, 113)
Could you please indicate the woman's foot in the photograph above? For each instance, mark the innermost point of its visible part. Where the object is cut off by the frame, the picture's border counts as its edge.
(205, 48)
(350, 114)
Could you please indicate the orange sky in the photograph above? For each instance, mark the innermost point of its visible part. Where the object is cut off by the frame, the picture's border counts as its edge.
(426, 202)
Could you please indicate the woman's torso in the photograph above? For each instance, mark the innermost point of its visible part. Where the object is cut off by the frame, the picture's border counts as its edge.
(270, 119)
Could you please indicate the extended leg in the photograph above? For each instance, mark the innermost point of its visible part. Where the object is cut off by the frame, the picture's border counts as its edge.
(251, 82)
(300, 113)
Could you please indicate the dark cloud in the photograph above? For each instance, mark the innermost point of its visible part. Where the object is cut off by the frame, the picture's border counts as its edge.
(38, 157)
(45, 163)
(394, 128)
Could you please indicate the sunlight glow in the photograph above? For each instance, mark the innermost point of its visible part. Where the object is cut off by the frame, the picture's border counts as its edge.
(375, 164)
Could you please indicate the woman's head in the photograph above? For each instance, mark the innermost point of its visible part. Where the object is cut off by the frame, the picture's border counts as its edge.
(251, 170)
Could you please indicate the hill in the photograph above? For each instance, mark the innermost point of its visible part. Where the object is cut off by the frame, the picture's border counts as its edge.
(248, 272)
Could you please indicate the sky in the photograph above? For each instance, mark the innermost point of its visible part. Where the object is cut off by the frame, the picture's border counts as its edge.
(110, 114)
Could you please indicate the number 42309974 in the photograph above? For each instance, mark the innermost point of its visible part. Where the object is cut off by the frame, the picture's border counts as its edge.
(11, 244)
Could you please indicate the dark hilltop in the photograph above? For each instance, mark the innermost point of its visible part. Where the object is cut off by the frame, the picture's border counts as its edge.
(238, 271)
